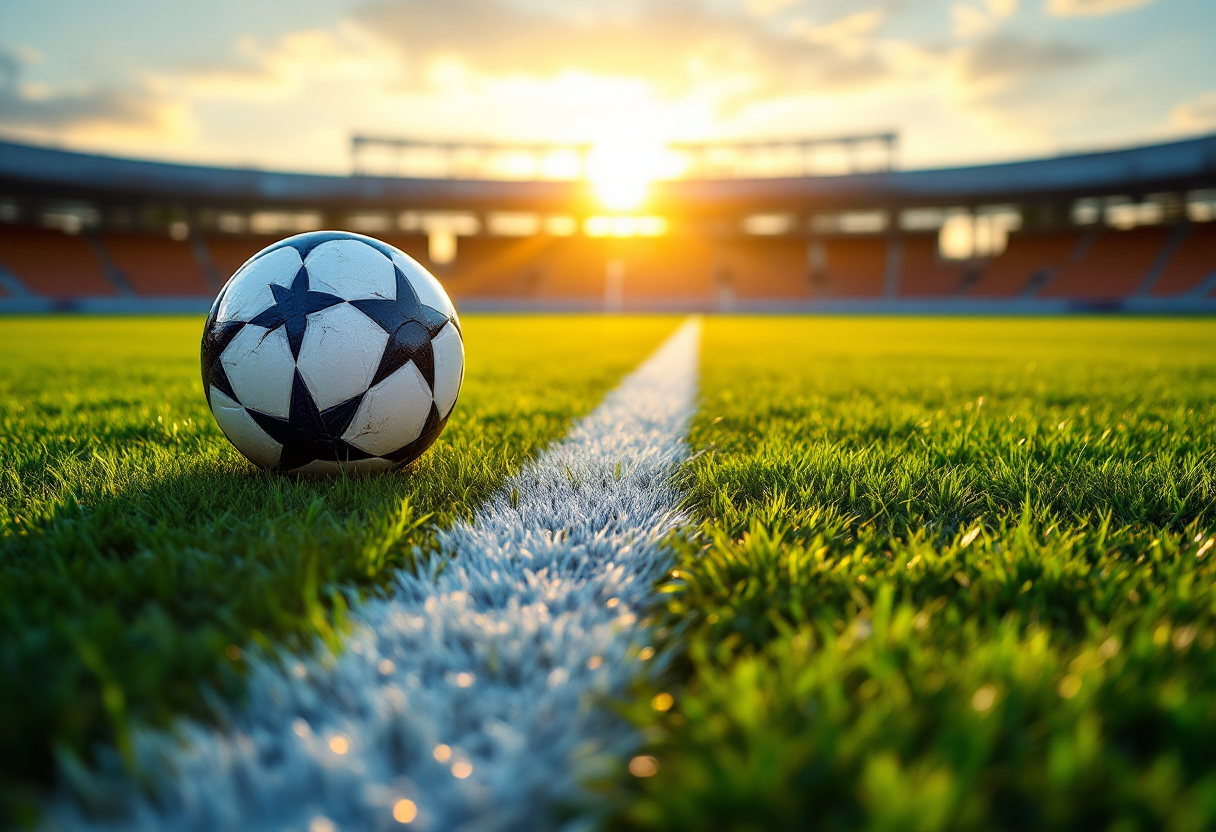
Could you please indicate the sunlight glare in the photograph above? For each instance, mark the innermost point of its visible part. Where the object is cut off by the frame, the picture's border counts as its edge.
(622, 168)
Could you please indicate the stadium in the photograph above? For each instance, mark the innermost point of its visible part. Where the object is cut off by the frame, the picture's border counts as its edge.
(529, 416)
(1123, 230)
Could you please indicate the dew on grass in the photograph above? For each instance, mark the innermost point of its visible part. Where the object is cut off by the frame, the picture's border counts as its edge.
(1069, 686)
(405, 811)
(644, 766)
(984, 698)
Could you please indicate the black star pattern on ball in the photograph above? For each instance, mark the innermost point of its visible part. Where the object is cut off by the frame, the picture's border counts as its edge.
(309, 433)
(215, 341)
(410, 325)
(292, 306)
(430, 432)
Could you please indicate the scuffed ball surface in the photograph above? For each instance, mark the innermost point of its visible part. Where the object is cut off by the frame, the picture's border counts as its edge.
(332, 351)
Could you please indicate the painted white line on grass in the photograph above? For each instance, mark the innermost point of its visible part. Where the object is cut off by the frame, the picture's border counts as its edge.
(469, 699)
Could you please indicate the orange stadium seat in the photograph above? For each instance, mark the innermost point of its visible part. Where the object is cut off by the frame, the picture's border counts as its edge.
(1010, 273)
(230, 253)
(576, 268)
(669, 268)
(1114, 267)
(924, 274)
(156, 266)
(854, 267)
(53, 264)
(1193, 262)
(412, 244)
(494, 267)
(774, 268)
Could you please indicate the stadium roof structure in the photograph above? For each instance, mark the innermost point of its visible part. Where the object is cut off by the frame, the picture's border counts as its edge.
(774, 157)
(44, 173)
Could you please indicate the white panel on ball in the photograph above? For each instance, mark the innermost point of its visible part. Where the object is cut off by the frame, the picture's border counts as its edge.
(243, 432)
(392, 414)
(260, 369)
(249, 291)
(351, 270)
(429, 290)
(340, 353)
(449, 367)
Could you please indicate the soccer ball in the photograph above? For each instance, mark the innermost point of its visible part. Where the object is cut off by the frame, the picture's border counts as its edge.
(332, 351)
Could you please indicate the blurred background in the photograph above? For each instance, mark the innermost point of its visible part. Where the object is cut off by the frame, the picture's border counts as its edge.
(962, 155)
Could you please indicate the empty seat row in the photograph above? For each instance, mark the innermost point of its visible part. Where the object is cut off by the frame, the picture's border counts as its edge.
(1107, 265)
(53, 264)
(1092, 264)
(1190, 264)
(157, 266)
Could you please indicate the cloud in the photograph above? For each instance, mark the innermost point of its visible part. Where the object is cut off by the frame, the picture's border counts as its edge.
(971, 20)
(1199, 113)
(10, 67)
(677, 48)
(1002, 8)
(39, 107)
(286, 65)
(1091, 8)
(1002, 60)
(1024, 87)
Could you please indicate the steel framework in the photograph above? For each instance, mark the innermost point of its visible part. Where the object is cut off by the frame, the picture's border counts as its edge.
(484, 160)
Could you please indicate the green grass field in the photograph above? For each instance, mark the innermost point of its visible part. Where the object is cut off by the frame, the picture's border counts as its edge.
(949, 575)
(140, 555)
(946, 574)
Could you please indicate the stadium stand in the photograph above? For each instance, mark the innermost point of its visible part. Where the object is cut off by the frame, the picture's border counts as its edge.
(666, 269)
(924, 274)
(853, 267)
(1113, 267)
(713, 256)
(53, 264)
(769, 269)
(1192, 263)
(1030, 260)
(229, 253)
(660, 270)
(157, 266)
(489, 267)
(576, 269)
(415, 245)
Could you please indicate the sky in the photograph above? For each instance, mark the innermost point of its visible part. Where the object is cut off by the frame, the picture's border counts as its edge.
(284, 85)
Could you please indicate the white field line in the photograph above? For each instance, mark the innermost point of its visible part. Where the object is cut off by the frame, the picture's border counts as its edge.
(474, 690)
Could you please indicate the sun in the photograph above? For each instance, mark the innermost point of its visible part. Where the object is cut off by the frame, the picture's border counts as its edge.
(621, 169)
